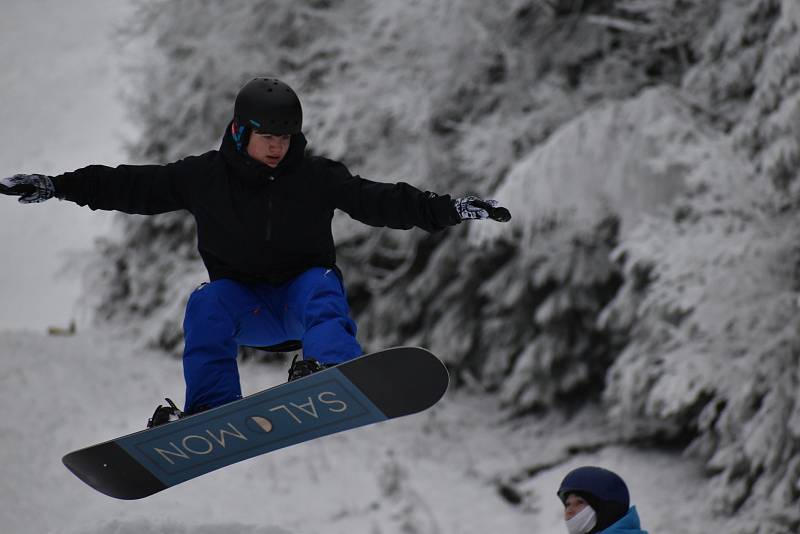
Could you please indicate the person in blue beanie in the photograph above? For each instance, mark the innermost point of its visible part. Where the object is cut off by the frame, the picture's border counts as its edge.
(596, 500)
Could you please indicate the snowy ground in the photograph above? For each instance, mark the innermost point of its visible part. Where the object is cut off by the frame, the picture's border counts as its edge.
(60, 109)
(436, 472)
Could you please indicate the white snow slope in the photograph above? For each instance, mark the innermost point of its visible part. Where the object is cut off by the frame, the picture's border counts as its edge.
(435, 472)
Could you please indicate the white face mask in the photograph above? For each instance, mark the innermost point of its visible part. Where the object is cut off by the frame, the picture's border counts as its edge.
(583, 521)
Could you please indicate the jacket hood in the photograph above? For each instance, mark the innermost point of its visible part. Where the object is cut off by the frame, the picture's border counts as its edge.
(628, 524)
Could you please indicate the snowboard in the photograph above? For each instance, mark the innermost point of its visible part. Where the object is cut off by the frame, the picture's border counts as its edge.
(372, 388)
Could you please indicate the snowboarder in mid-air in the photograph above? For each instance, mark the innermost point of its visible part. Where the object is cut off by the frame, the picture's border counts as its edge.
(263, 211)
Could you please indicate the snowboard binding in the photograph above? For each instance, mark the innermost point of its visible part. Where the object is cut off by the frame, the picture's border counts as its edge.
(304, 367)
(165, 414)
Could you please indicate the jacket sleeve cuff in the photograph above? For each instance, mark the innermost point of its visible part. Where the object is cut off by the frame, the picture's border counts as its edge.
(445, 211)
(58, 185)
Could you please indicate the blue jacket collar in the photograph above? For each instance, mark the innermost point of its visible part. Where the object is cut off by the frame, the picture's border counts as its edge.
(628, 524)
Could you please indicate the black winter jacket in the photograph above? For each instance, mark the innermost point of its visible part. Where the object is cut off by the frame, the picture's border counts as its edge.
(256, 223)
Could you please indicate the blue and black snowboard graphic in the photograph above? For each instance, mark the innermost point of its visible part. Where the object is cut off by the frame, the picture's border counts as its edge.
(372, 388)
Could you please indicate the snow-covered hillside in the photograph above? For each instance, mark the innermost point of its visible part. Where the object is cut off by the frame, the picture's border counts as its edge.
(436, 472)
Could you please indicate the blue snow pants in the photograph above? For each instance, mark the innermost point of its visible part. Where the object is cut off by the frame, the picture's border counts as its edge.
(224, 314)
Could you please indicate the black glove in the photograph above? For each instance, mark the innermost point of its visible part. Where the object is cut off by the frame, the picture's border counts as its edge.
(28, 187)
(472, 207)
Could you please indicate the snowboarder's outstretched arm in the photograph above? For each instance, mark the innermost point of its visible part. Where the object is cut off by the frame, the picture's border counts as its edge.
(403, 206)
(139, 189)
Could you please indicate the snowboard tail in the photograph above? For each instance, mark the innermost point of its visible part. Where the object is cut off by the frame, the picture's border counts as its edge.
(369, 389)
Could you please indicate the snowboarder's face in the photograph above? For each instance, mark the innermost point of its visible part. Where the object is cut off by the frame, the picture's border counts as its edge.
(267, 148)
(573, 505)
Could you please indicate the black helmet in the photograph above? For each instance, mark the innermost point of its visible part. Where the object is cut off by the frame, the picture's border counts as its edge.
(604, 490)
(266, 105)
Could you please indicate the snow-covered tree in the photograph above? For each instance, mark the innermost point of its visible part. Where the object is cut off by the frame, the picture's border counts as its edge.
(711, 290)
(647, 150)
(397, 90)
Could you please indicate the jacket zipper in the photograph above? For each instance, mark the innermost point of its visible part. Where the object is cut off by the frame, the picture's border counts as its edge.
(269, 218)
(270, 179)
